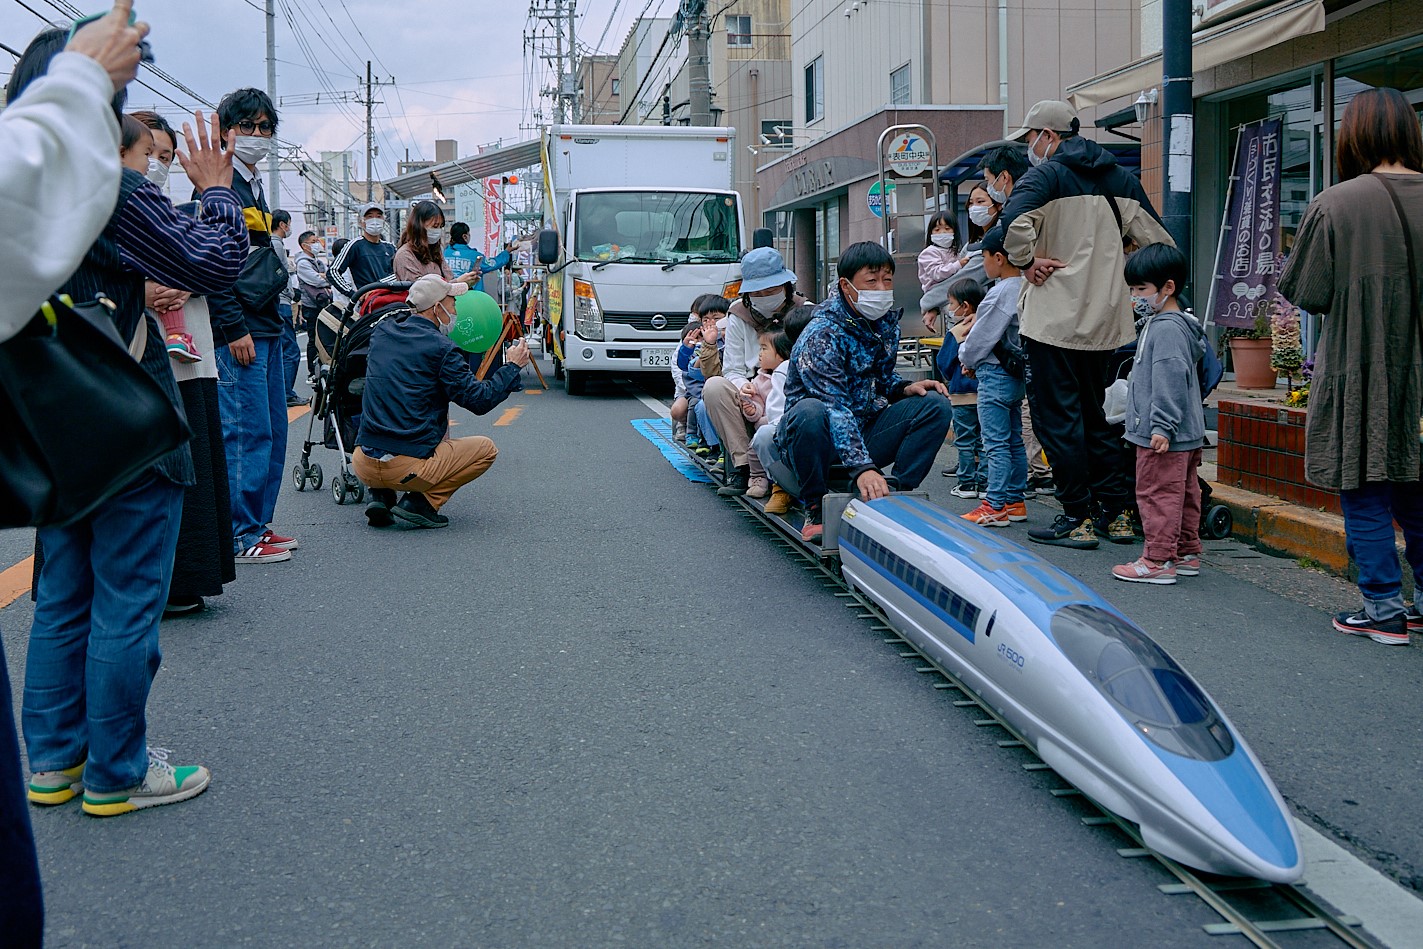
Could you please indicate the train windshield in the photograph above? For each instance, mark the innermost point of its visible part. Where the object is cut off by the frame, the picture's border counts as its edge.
(1146, 685)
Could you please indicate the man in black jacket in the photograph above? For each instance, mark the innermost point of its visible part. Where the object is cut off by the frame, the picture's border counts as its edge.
(413, 373)
(252, 390)
(366, 260)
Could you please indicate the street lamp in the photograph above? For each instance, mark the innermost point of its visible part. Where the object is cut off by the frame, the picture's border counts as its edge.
(1143, 105)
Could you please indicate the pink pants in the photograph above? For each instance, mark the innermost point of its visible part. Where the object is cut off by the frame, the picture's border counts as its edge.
(1169, 499)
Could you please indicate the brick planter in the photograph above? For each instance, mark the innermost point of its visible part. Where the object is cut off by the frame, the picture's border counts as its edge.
(1262, 450)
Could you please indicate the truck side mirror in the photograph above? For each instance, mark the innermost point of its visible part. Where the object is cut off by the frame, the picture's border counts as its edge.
(762, 237)
(548, 247)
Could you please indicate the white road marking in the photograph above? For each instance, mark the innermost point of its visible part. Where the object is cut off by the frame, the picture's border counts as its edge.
(653, 404)
(1386, 909)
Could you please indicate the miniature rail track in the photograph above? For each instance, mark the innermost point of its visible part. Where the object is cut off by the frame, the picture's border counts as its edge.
(1269, 915)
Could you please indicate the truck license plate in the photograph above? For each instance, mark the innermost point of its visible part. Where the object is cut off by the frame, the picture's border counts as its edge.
(657, 358)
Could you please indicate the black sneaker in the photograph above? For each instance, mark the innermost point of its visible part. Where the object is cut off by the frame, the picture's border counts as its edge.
(812, 530)
(1042, 486)
(1116, 528)
(1066, 532)
(378, 511)
(1415, 619)
(736, 483)
(1390, 632)
(416, 509)
(181, 604)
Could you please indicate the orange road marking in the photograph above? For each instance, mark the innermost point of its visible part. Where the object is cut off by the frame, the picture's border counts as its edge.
(509, 415)
(296, 411)
(15, 582)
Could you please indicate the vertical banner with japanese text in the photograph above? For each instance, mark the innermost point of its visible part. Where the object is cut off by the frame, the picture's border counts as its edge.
(493, 216)
(1248, 262)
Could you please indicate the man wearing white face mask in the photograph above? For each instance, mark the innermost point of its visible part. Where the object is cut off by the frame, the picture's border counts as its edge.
(846, 404)
(248, 339)
(367, 260)
(413, 373)
(1065, 224)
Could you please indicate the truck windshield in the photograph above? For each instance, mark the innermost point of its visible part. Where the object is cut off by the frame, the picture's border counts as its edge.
(657, 226)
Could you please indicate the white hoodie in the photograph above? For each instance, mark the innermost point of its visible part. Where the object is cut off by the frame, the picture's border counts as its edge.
(59, 182)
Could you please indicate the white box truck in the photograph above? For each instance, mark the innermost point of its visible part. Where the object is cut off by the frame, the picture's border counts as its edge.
(639, 222)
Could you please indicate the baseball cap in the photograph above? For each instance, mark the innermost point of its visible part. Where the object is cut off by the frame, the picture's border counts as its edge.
(368, 208)
(431, 289)
(1051, 114)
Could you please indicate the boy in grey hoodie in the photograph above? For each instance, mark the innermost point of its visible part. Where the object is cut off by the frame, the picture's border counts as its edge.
(1165, 420)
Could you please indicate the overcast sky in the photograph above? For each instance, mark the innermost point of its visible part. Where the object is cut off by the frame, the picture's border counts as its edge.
(459, 65)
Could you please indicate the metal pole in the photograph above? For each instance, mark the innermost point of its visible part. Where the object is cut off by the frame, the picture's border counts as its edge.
(274, 174)
(345, 194)
(558, 113)
(370, 137)
(1178, 117)
(571, 83)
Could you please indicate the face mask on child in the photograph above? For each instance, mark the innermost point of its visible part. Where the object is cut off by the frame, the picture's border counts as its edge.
(1146, 307)
(157, 172)
(943, 239)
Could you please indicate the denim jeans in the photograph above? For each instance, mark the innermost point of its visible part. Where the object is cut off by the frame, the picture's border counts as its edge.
(1000, 414)
(22, 908)
(907, 435)
(968, 442)
(291, 351)
(1369, 513)
(253, 406)
(705, 428)
(763, 443)
(94, 641)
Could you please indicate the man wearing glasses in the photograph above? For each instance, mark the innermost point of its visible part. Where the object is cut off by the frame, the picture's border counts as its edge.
(252, 384)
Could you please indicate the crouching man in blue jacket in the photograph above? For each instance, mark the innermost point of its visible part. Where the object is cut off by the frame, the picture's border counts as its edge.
(413, 373)
(846, 404)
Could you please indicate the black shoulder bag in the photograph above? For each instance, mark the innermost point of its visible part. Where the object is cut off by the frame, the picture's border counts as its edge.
(79, 418)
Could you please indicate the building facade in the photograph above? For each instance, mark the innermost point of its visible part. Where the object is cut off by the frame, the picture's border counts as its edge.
(599, 90)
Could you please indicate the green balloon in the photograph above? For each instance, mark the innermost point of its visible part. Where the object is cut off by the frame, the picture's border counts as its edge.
(478, 321)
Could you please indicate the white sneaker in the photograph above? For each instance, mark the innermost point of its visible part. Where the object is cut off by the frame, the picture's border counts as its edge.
(758, 488)
(163, 784)
(965, 491)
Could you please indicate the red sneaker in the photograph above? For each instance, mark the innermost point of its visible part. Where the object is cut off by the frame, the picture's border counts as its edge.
(986, 515)
(261, 553)
(273, 539)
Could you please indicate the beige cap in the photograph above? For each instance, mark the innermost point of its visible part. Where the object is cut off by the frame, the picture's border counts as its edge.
(431, 289)
(1052, 114)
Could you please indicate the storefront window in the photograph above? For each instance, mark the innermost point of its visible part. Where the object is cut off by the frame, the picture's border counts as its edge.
(827, 247)
(1401, 70)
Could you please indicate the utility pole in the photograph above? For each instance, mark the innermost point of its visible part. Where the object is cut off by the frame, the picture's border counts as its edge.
(694, 13)
(1177, 108)
(571, 83)
(558, 113)
(274, 174)
(370, 136)
(560, 17)
(345, 194)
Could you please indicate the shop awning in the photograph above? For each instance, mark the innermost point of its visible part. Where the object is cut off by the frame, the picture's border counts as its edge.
(1213, 46)
(498, 161)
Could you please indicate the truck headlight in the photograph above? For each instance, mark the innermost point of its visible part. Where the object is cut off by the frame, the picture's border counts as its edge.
(587, 314)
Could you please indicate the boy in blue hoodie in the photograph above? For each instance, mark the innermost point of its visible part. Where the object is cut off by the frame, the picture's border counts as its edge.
(1165, 421)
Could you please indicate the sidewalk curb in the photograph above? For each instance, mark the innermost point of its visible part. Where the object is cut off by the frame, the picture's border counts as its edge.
(1280, 527)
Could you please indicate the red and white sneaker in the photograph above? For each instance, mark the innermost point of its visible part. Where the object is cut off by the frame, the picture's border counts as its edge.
(1142, 570)
(262, 553)
(1188, 565)
(986, 515)
(273, 539)
(1017, 511)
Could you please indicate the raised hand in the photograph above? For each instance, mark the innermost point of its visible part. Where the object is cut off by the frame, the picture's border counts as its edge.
(208, 160)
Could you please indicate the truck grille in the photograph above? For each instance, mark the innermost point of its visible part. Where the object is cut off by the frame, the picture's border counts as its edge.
(643, 321)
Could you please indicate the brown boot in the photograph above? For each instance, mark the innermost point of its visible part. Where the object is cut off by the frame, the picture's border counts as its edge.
(779, 502)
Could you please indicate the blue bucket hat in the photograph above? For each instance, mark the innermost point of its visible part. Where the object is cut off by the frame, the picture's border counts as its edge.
(762, 269)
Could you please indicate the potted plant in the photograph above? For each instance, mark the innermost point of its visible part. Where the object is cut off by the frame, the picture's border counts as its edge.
(1286, 350)
(1250, 350)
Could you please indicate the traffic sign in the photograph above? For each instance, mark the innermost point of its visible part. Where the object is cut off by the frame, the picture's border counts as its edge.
(908, 155)
(876, 202)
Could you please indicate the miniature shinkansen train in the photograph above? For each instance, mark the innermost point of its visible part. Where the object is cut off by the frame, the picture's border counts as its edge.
(1091, 693)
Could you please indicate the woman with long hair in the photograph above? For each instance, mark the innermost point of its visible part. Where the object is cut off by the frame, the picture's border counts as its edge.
(1358, 259)
(421, 248)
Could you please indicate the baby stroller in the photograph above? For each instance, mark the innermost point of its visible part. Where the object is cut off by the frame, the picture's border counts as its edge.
(343, 342)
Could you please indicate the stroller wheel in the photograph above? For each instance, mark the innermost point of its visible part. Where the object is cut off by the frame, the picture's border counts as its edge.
(315, 475)
(299, 476)
(355, 489)
(1219, 522)
(338, 490)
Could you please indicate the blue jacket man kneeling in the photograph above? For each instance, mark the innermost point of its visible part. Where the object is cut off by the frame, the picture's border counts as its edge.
(413, 373)
(846, 404)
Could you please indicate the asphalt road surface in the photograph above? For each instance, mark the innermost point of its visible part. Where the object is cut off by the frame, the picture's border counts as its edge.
(600, 710)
